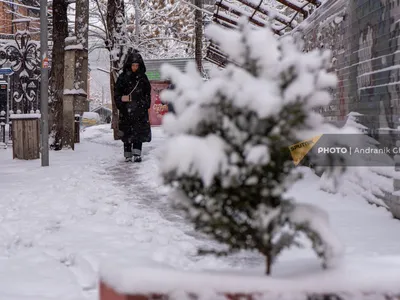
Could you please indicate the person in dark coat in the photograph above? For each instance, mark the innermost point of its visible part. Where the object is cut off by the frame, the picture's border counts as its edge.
(133, 98)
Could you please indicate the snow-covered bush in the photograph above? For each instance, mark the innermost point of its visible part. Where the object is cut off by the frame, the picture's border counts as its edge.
(228, 154)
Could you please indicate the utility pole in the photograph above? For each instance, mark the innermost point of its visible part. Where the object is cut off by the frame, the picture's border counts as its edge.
(44, 84)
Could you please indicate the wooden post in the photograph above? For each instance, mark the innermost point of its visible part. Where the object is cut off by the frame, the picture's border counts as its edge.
(26, 136)
(3, 121)
(10, 132)
(77, 128)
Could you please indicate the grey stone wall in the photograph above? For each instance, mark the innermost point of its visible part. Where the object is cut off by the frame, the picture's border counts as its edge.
(364, 36)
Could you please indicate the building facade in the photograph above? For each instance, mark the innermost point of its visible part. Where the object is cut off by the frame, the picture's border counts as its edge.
(16, 16)
(364, 37)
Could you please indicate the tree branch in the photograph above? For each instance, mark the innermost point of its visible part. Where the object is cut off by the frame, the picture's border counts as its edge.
(103, 20)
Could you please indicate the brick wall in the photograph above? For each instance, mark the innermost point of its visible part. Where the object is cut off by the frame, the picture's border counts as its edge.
(364, 36)
(7, 26)
(5, 18)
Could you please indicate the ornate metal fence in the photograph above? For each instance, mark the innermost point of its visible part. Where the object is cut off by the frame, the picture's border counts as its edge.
(22, 56)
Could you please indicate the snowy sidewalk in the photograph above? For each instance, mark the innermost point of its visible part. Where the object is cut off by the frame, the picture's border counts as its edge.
(57, 224)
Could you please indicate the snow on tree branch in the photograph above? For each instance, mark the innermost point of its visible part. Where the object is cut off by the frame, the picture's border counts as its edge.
(167, 29)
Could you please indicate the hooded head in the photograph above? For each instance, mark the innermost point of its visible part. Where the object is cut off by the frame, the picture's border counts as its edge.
(132, 59)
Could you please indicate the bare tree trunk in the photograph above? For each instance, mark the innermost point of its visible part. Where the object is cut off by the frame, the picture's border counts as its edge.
(68, 136)
(268, 265)
(198, 53)
(82, 35)
(116, 43)
(115, 115)
(60, 32)
(268, 253)
(137, 20)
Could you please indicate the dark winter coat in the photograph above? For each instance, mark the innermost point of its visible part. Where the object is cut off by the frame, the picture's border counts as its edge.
(134, 123)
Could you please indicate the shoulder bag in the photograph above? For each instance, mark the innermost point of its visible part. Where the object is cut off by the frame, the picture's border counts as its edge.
(128, 98)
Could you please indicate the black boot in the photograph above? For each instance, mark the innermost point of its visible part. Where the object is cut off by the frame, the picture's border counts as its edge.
(137, 152)
(128, 152)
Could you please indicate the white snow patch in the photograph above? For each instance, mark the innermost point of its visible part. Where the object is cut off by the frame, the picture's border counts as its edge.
(74, 92)
(25, 116)
(258, 154)
(352, 278)
(60, 222)
(74, 47)
(194, 155)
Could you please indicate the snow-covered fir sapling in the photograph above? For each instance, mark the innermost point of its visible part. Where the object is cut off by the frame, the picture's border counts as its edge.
(227, 157)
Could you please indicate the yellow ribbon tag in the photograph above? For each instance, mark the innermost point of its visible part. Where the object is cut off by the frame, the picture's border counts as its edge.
(300, 150)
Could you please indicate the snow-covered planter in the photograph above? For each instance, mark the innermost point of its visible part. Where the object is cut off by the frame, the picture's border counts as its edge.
(125, 283)
(228, 158)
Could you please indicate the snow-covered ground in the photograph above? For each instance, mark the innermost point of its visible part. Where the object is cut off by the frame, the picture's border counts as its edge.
(58, 224)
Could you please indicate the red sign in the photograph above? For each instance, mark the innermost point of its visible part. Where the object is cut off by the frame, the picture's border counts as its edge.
(157, 109)
(45, 63)
(160, 108)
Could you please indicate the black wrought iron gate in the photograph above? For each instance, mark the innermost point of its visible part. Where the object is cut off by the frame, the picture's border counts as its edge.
(22, 56)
